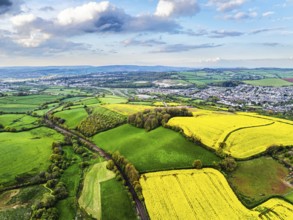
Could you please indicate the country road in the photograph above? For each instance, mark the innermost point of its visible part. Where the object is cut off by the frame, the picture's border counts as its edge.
(140, 208)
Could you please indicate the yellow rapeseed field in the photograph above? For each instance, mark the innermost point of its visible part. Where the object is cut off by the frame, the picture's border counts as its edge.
(127, 109)
(211, 128)
(198, 194)
(245, 134)
(251, 141)
(168, 104)
(275, 209)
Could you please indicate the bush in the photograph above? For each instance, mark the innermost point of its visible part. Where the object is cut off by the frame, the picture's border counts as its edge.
(197, 164)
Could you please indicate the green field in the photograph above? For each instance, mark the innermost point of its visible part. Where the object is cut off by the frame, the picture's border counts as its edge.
(110, 99)
(71, 177)
(87, 101)
(116, 204)
(269, 82)
(25, 152)
(24, 103)
(90, 198)
(259, 179)
(18, 121)
(64, 91)
(72, 117)
(158, 149)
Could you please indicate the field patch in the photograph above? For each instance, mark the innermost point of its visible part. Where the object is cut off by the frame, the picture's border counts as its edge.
(116, 204)
(100, 119)
(241, 135)
(251, 141)
(158, 149)
(211, 128)
(260, 178)
(90, 199)
(111, 99)
(18, 121)
(25, 152)
(127, 109)
(269, 82)
(24, 103)
(72, 117)
(200, 194)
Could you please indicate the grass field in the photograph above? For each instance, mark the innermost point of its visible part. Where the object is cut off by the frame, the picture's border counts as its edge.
(269, 82)
(116, 204)
(201, 194)
(127, 109)
(64, 91)
(72, 117)
(87, 101)
(24, 103)
(260, 178)
(18, 121)
(90, 199)
(111, 99)
(158, 149)
(244, 134)
(71, 177)
(25, 152)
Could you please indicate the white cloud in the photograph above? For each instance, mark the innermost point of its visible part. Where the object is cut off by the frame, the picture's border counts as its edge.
(83, 13)
(168, 8)
(268, 13)
(22, 19)
(240, 15)
(33, 39)
(226, 5)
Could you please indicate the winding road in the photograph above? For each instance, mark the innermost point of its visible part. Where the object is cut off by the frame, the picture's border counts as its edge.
(140, 208)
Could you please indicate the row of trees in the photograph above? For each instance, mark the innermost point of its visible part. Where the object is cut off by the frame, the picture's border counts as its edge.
(128, 169)
(45, 208)
(152, 118)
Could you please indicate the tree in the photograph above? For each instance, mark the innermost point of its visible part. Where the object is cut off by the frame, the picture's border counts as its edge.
(197, 164)
(228, 164)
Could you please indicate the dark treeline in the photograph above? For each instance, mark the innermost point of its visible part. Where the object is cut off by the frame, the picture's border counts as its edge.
(152, 118)
(128, 169)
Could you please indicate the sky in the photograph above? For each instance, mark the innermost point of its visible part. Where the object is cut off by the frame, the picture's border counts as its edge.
(187, 33)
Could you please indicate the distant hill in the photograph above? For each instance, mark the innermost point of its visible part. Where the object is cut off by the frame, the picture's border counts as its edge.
(36, 72)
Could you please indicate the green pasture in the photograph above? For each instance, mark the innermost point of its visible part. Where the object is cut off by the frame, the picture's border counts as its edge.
(72, 117)
(25, 152)
(260, 178)
(18, 121)
(269, 82)
(71, 177)
(159, 149)
(110, 99)
(24, 103)
(90, 198)
(116, 203)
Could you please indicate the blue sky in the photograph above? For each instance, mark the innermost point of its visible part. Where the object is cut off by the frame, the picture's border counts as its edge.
(193, 33)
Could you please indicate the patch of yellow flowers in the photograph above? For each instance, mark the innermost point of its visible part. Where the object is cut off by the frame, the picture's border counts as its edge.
(200, 194)
(244, 134)
(127, 109)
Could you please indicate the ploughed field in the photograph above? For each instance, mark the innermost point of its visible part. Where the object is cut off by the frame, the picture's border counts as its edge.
(241, 135)
(202, 194)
